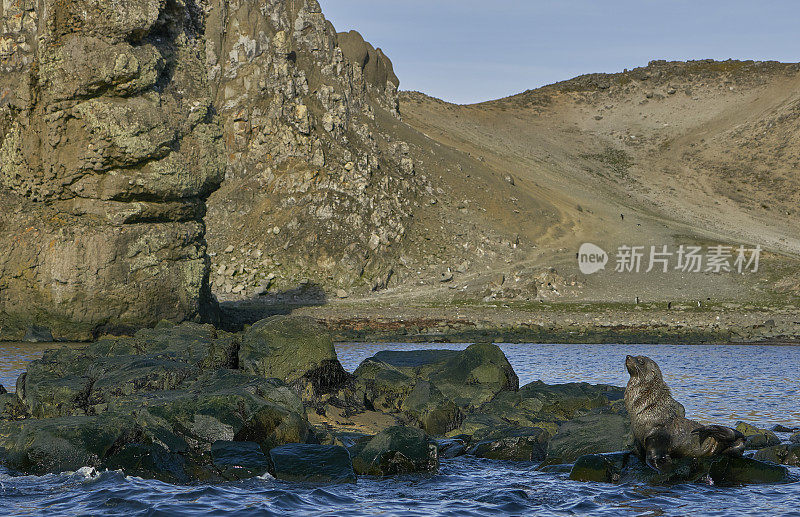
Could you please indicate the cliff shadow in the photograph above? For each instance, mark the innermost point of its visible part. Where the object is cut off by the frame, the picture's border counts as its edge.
(235, 314)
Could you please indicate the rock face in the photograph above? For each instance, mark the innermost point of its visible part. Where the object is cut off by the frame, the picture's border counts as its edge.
(299, 106)
(108, 149)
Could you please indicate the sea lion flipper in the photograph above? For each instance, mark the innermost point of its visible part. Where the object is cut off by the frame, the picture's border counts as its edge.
(731, 441)
(656, 449)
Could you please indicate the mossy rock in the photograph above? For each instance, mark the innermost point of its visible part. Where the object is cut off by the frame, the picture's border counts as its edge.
(757, 438)
(783, 454)
(468, 378)
(296, 350)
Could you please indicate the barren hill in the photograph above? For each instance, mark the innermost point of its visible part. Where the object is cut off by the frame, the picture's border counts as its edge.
(673, 153)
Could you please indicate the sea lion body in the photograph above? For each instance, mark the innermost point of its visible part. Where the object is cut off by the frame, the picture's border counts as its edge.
(660, 429)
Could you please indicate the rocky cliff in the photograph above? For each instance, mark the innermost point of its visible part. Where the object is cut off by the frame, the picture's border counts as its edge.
(314, 189)
(108, 148)
(118, 121)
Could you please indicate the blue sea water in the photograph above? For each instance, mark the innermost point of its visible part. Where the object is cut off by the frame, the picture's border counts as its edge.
(759, 384)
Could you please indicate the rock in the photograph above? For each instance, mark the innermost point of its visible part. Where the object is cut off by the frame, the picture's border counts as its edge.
(541, 405)
(795, 438)
(167, 403)
(449, 448)
(782, 429)
(783, 454)
(296, 350)
(239, 460)
(624, 467)
(446, 276)
(466, 379)
(396, 450)
(515, 444)
(732, 470)
(38, 334)
(229, 249)
(341, 293)
(757, 438)
(311, 462)
(600, 468)
(602, 430)
(430, 409)
(108, 150)
(11, 407)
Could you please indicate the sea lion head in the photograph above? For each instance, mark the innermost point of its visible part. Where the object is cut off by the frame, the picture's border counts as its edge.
(643, 369)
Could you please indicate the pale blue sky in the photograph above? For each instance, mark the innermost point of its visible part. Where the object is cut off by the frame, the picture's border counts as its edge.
(470, 50)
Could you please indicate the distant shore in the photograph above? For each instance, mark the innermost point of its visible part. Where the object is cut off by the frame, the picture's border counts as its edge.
(560, 323)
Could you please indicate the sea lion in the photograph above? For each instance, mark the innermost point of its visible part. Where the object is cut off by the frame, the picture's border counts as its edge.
(660, 430)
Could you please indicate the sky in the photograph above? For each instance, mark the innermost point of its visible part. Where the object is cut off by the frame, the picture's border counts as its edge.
(474, 50)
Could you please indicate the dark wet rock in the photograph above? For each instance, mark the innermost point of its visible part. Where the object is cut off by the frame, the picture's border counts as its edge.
(38, 334)
(451, 447)
(515, 444)
(239, 460)
(312, 462)
(396, 450)
(296, 350)
(602, 430)
(757, 438)
(623, 467)
(602, 468)
(795, 438)
(783, 454)
(732, 470)
(783, 429)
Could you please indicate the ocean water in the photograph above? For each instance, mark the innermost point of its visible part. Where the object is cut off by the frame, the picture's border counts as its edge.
(723, 384)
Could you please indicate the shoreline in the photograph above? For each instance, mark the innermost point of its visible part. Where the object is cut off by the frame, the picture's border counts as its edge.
(567, 323)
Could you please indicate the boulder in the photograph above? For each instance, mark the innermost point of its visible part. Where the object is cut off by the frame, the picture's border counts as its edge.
(396, 450)
(757, 438)
(540, 405)
(468, 378)
(430, 409)
(602, 430)
(312, 462)
(783, 454)
(239, 460)
(296, 350)
(625, 467)
(795, 438)
(515, 444)
(449, 448)
(733, 470)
